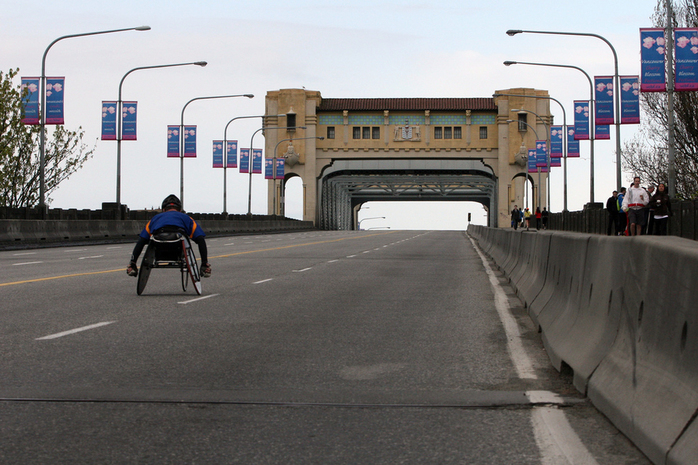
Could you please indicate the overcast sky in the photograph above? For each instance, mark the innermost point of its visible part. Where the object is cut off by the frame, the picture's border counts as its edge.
(359, 49)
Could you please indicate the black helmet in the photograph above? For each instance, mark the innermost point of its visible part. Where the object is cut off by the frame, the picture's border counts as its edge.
(171, 201)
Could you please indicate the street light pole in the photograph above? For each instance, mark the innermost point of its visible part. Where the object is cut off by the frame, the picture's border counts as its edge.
(564, 140)
(225, 156)
(274, 164)
(181, 138)
(616, 91)
(119, 118)
(547, 141)
(592, 127)
(546, 152)
(372, 218)
(249, 193)
(42, 119)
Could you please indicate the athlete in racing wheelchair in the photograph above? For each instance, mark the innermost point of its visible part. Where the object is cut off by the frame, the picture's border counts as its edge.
(170, 220)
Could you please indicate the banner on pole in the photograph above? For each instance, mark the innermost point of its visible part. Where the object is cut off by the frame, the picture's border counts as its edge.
(54, 100)
(532, 159)
(231, 154)
(572, 144)
(109, 120)
(629, 100)
(173, 141)
(652, 57)
(244, 160)
(604, 100)
(581, 120)
(555, 141)
(603, 132)
(31, 100)
(541, 154)
(256, 161)
(686, 58)
(268, 168)
(280, 168)
(555, 162)
(189, 141)
(128, 123)
(218, 154)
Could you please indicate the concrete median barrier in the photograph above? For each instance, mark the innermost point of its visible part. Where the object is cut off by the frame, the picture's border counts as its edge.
(622, 314)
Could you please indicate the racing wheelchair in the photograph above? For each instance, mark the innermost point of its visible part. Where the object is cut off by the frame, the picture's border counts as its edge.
(170, 248)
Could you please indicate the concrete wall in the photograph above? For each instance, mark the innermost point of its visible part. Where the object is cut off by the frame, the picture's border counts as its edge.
(27, 233)
(622, 313)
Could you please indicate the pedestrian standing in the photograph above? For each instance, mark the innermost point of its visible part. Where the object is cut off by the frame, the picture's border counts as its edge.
(612, 208)
(661, 204)
(539, 217)
(527, 218)
(649, 211)
(545, 215)
(622, 216)
(634, 203)
(515, 217)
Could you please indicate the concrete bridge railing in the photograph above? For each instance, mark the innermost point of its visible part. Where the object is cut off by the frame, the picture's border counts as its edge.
(622, 313)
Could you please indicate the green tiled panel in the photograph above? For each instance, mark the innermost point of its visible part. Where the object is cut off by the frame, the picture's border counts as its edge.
(330, 120)
(399, 120)
(365, 120)
(483, 119)
(447, 120)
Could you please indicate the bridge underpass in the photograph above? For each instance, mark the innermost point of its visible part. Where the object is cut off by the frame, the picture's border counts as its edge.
(347, 187)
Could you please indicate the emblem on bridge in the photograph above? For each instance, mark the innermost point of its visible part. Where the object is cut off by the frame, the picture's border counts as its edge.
(291, 156)
(407, 133)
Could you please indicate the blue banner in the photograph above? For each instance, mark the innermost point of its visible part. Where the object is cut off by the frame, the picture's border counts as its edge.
(128, 123)
(190, 141)
(268, 168)
(54, 100)
(555, 162)
(604, 100)
(556, 141)
(31, 100)
(572, 144)
(581, 120)
(173, 141)
(532, 159)
(108, 120)
(541, 154)
(257, 161)
(686, 56)
(280, 168)
(652, 56)
(629, 100)
(244, 160)
(218, 154)
(603, 132)
(231, 154)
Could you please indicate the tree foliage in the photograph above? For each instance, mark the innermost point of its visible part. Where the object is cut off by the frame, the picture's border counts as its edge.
(64, 152)
(646, 155)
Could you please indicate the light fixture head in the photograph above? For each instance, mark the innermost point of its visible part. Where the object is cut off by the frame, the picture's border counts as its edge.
(142, 28)
(513, 32)
(201, 63)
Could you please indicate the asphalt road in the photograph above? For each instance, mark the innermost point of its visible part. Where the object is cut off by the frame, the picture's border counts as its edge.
(336, 347)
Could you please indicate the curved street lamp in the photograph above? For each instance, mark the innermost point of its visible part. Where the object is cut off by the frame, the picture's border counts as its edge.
(181, 137)
(616, 85)
(225, 156)
(372, 218)
(274, 164)
(42, 119)
(119, 118)
(537, 138)
(249, 193)
(547, 141)
(592, 127)
(564, 125)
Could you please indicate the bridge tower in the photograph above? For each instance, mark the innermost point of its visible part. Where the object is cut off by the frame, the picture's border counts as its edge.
(404, 149)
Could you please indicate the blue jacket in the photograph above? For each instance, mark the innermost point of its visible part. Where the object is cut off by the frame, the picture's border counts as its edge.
(172, 218)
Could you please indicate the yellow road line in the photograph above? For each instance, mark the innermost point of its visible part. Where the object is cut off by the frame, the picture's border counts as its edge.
(37, 280)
